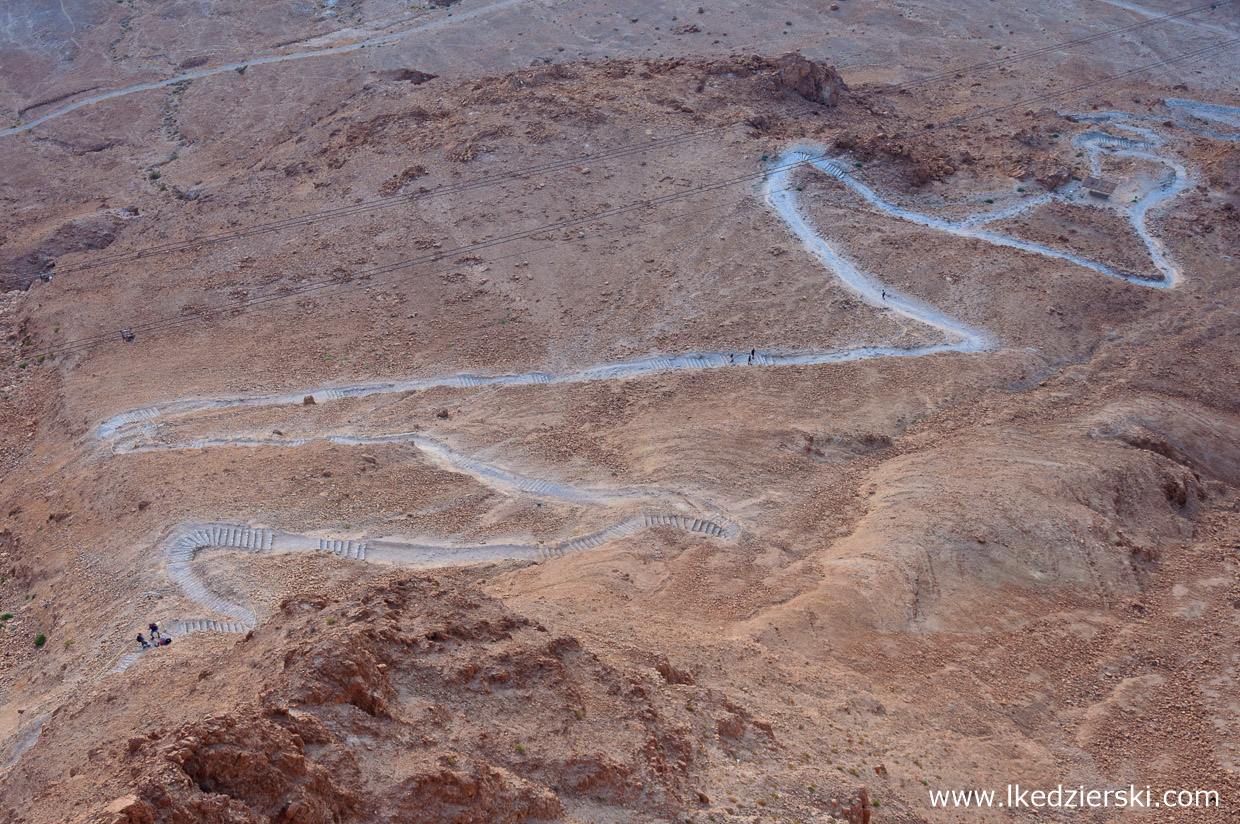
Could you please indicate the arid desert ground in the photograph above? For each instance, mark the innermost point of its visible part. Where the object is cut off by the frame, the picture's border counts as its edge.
(600, 411)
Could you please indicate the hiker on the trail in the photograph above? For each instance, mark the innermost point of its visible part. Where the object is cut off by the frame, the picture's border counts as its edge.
(884, 294)
(752, 352)
(143, 642)
(731, 357)
(163, 642)
(155, 633)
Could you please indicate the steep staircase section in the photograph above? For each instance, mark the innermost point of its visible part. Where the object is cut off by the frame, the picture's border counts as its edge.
(355, 550)
(183, 549)
(184, 627)
(717, 528)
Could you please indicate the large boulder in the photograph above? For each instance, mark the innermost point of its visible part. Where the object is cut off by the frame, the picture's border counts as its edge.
(812, 81)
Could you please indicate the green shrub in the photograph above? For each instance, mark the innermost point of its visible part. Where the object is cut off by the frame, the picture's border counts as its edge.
(6, 616)
(519, 748)
(40, 640)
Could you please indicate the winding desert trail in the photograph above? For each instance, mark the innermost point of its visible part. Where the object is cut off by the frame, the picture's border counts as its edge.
(187, 543)
(138, 430)
(378, 40)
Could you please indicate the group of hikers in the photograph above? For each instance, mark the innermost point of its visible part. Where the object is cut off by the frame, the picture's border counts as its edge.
(753, 353)
(158, 639)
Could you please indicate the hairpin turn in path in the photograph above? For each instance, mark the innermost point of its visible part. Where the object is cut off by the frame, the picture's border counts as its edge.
(136, 430)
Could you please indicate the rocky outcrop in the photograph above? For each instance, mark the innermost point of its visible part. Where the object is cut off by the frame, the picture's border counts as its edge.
(418, 702)
(247, 768)
(472, 794)
(412, 76)
(815, 82)
(918, 163)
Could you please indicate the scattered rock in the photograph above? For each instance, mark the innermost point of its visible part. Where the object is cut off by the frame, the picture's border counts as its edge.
(672, 675)
(129, 809)
(411, 173)
(412, 76)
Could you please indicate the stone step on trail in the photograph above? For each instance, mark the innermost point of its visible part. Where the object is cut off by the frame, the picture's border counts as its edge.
(126, 661)
(546, 553)
(702, 526)
(136, 416)
(355, 550)
(230, 537)
(186, 626)
(1113, 140)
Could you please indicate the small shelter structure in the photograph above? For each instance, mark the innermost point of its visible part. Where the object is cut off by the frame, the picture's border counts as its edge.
(1098, 187)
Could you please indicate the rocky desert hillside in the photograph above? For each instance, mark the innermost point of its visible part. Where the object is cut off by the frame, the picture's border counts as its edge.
(560, 411)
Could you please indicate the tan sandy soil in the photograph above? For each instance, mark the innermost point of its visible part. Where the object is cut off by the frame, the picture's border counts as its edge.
(954, 571)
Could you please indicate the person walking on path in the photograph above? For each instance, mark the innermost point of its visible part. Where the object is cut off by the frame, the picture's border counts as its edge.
(143, 642)
(156, 635)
